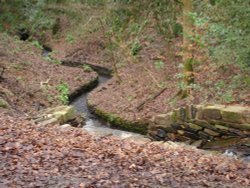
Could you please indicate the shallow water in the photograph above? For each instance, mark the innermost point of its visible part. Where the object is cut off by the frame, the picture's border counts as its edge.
(95, 125)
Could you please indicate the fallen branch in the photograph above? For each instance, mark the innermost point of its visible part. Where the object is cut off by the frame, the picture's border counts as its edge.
(140, 106)
(153, 78)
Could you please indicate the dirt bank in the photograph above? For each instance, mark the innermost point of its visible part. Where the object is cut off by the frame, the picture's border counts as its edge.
(30, 82)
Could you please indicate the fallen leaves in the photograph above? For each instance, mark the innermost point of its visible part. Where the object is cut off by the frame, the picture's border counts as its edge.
(52, 157)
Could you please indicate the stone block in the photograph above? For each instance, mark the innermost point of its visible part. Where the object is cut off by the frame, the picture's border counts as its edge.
(211, 132)
(152, 126)
(183, 126)
(191, 135)
(152, 133)
(204, 124)
(199, 113)
(65, 126)
(212, 113)
(224, 130)
(234, 114)
(205, 136)
(61, 114)
(171, 136)
(161, 133)
(221, 127)
(181, 138)
(160, 119)
(243, 127)
(169, 129)
(65, 114)
(246, 115)
(163, 119)
(173, 116)
(180, 114)
(191, 112)
(187, 128)
(176, 126)
(222, 143)
(197, 143)
(181, 132)
(194, 126)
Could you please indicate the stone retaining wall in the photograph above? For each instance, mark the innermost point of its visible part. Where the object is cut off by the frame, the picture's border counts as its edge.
(203, 124)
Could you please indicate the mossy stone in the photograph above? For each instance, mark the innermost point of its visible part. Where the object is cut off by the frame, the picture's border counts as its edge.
(181, 132)
(162, 119)
(197, 143)
(221, 127)
(191, 112)
(211, 132)
(194, 126)
(232, 116)
(211, 113)
(204, 124)
(4, 104)
(173, 116)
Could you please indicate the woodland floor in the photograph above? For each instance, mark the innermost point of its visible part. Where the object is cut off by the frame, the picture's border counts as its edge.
(55, 157)
(29, 81)
(141, 79)
(52, 157)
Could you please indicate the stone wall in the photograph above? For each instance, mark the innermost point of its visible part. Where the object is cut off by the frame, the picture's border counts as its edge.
(203, 125)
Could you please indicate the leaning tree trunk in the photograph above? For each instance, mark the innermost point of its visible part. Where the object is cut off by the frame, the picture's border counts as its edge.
(187, 48)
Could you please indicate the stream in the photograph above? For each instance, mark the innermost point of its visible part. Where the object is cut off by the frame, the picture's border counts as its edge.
(94, 125)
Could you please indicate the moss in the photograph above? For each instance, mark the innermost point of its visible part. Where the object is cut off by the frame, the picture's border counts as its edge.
(232, 116)
(87, 87)
(195, 127)
(174, 116)
(4, 104)
(116, 121)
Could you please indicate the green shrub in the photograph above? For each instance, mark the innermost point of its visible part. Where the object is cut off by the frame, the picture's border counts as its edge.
(87, 68)
(135, 48)
(70, 39)
(63, 95)
(226, 30)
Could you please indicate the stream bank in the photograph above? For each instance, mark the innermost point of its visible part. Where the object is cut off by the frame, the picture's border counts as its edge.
(102, 124)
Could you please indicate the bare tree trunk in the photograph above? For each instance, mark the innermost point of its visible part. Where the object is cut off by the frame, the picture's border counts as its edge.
(187, 48)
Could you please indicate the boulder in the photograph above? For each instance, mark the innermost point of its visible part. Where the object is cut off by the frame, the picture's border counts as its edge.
(57, 115)
(64, 113)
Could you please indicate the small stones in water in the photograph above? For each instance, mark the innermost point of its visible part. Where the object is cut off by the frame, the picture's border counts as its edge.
(197, 143)
(230, 153)
(161, 133)
(237, 155)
